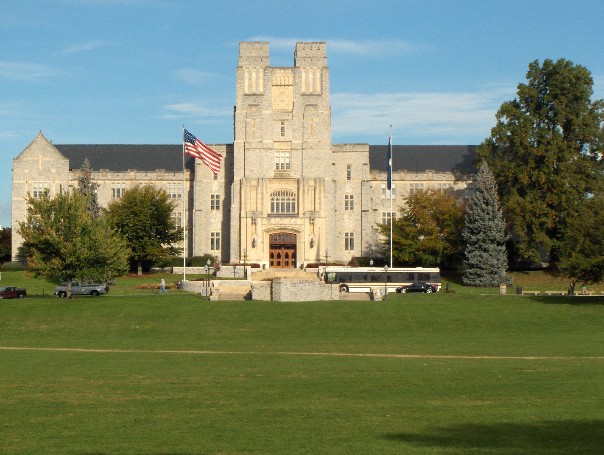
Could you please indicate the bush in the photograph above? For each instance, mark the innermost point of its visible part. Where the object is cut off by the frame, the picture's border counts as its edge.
(200, 261)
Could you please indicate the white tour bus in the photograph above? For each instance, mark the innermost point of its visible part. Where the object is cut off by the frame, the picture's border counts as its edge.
(362, 279)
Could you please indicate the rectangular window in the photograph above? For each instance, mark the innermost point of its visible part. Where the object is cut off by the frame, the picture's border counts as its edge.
(386, 193)
(117, 190)
(348, 202)
(282, 160)
(349, 241)
(38, 190)
(282, 128)
(174, 190)
(215, 241)
(177, 218)
(386, 216)
(415, 187)
(349, 172)
(215, 201)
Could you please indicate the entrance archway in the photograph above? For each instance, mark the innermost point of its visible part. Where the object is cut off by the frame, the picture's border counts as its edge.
(282, 250)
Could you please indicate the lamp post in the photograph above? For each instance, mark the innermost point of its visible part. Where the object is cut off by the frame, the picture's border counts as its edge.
(244, 263)
(385, 281)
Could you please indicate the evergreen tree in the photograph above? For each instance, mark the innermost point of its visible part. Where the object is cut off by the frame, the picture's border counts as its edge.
(484, 235)
(545, 152)
(89, 188)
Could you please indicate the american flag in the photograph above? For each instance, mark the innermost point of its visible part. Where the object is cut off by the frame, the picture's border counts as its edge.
(199, 150)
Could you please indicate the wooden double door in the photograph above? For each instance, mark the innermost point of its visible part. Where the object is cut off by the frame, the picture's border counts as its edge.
(282, 250)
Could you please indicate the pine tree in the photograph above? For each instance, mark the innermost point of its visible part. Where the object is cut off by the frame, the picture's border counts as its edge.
(89, 188)
(484, 234)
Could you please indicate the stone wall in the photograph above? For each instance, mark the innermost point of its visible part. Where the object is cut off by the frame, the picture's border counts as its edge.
(286, 290)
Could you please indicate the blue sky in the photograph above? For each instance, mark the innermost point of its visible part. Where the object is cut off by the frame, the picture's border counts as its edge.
(135, 71)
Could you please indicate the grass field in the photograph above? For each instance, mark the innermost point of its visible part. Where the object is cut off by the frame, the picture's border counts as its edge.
(461, 373)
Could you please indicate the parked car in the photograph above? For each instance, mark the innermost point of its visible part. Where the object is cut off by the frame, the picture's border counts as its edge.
(93, 289)
(12, 292)
(417, 287)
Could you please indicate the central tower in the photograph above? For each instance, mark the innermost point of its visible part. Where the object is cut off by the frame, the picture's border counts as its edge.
(282, 157)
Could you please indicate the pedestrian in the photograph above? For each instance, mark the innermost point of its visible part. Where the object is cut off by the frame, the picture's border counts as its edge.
(162, 287)
(571, 289)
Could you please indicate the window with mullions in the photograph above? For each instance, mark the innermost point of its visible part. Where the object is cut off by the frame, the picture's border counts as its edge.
(215, 202)
(348, 202)
(283, 201)
(349, 241)
(215, 241)
(283, 160)
(174, 190)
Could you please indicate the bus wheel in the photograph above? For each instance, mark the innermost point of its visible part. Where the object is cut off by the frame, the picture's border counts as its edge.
(343, 288)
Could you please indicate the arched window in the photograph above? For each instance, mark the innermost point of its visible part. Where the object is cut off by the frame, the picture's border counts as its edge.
(283, 201)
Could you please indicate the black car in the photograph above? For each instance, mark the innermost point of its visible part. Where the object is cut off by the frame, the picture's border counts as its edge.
(417, 287)
(12, 292)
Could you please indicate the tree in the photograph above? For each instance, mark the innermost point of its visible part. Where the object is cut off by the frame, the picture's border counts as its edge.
(5, 245)
(545, 153)
(62, 240)
(89, 188)
(428, 230)
(484, 234)
(143, 215)
(583, 246)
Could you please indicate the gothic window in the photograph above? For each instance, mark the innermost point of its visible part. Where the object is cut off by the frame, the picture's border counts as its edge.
(283, 201)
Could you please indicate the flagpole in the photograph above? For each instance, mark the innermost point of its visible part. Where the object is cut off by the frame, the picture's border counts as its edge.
(184, 211)
(391, 214)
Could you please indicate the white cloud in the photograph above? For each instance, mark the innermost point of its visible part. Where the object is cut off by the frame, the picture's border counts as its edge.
(85, 47)
(193, 77)
(436, 117)
(365, 48)
(178, 110)
(26, 71)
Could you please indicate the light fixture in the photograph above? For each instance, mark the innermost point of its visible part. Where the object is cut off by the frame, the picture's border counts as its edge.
(312, 243)
(254, 242)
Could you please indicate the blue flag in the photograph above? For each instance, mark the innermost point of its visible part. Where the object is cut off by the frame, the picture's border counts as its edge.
(389, 184)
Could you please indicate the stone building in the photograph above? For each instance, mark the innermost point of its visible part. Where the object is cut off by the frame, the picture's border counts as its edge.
(285, 195)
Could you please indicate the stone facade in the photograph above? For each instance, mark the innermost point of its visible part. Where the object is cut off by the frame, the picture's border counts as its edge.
(285, 196)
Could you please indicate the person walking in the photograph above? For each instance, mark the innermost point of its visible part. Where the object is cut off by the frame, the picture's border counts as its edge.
(162, 287)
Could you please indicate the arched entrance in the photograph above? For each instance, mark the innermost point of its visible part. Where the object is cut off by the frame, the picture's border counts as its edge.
(282, 250)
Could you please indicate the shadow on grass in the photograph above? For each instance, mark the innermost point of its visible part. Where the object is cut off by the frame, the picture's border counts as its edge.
(548, 437)
(568, 300)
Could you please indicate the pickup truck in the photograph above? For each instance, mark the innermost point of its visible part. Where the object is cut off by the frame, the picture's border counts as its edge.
(92, 289)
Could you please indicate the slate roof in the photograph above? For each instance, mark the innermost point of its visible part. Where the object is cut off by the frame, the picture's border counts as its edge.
(458, 159)
(121, 157)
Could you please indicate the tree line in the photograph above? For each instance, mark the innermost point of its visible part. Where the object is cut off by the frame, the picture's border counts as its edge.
(70, 237)
(538, 196)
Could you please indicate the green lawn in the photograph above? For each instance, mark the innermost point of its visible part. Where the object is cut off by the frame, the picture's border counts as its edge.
(134, 373)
